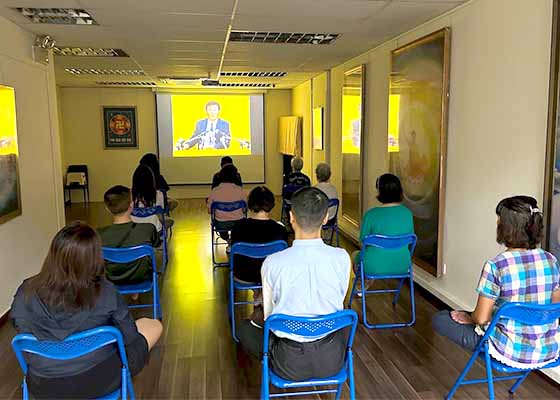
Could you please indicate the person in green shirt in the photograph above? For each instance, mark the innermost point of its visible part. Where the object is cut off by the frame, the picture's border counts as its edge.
(126, 233)
(391, 218)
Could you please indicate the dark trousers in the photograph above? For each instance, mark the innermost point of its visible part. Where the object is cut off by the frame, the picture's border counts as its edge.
(461, 334)
(297, 361)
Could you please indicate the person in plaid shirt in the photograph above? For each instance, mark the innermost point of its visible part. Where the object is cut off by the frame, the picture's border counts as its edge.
(522, 273)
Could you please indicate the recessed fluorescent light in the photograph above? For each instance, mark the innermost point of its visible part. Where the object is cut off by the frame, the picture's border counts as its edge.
(103, 71)
(282, 37)
(246, 85)
(254, 74)
(59, 16)
(89, 52)
(130, 83)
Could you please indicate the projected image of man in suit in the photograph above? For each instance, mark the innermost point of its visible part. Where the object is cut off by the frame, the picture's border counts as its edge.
(211, 132)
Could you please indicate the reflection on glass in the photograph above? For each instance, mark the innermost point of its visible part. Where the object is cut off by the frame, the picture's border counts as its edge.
(351, 141)
(415, 136)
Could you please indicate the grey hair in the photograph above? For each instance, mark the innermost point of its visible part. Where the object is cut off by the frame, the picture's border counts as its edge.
(323, 172)
(297, 163)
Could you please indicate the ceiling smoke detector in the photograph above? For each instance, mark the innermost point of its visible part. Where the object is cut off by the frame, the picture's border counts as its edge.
(57, 16)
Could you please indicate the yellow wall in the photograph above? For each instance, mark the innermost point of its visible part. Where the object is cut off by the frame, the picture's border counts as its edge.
(83, 137)
(24, 240)
(319, 99)
(301, 106)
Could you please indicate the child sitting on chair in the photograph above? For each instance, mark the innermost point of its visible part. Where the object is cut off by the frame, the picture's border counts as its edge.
(126, 233)
(522, 273)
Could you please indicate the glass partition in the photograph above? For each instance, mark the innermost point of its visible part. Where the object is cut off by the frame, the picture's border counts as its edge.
(352, 124)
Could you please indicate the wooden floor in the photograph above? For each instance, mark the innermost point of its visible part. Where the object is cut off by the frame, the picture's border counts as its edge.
(196, 357)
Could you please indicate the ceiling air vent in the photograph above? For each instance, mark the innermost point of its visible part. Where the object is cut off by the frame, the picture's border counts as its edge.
(89, 52)
(103, 71)
(58, 16)
(247, 85)
(131, 83)
(282, 37)
(253, 74)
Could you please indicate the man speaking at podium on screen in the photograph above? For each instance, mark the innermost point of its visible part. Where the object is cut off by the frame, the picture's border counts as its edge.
(211, 132)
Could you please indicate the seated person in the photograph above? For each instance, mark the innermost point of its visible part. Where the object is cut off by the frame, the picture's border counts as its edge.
(258, 228)
(227, 160)
(298, 178)
(323, 173)
(125, 233)
(522, 273)
(227, 191)
(69, 295)
(145, 194)
(307, 279)
(391, 218)
(151, 160)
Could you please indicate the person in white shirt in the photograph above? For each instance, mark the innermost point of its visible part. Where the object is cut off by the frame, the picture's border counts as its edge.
(323, 174)
(308, 279)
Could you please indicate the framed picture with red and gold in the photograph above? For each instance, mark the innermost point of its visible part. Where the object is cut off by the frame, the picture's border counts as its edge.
(119, 127)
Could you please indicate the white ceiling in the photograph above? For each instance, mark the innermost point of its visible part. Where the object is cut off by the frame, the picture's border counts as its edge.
(186, 37)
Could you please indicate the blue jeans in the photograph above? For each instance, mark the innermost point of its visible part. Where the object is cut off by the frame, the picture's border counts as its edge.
(461, 334)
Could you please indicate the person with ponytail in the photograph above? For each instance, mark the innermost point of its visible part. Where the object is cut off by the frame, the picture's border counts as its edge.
(523, 273)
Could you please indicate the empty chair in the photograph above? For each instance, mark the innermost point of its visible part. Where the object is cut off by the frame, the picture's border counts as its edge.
(251, 250)
(77, 177)
(219, 229)
(309, 327)
(129, 254)
(389, 243)
(74, 346)
(524, 313)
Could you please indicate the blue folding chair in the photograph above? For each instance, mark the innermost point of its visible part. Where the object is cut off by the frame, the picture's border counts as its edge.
(215, 237)
(126, 255)
(248, 250)
(386, 242)
(310, 327)
(144, 212)
(528, 314)
(287, 191)
(332, 224)
(74, 346)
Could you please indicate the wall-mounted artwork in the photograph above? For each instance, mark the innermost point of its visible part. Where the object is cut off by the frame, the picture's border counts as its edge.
(318, 128)
(119, 127)
(417, 137)
(10, 196)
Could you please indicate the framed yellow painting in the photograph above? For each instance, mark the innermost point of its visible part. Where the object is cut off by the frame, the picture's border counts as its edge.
(10, 197)
(417, 137)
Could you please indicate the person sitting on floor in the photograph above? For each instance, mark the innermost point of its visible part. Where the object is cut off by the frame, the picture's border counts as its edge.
(69, 295)
(145, 194)
(523, 273)
(216, 180)
(323, 173)
(298, 178)
(307, 279)
(391, 218)
(227, 191)
(258, 228)
(151, 160)
(126, 233)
